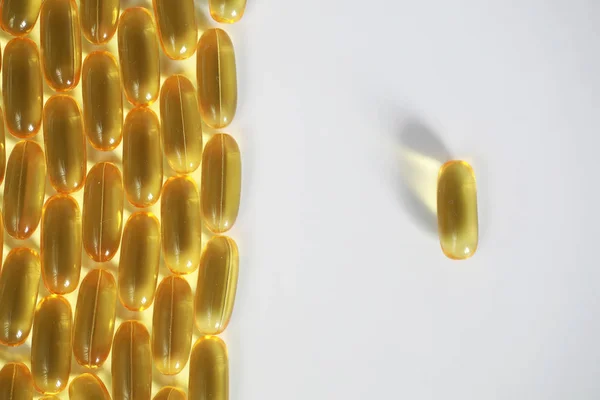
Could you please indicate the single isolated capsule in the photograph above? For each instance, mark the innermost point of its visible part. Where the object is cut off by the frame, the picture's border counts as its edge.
(19, 16)
(457, 210)
(22, 87)
(227, 11)
(2, 147)
(24, 189)
(131, 362)
(181, 124)
(170, 393)
(87, 387)
(209, 370)
(94, 318)
(16, 382)
(177, 27)
(99, 19)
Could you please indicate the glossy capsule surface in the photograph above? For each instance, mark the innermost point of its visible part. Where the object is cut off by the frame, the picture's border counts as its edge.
(60, 42)
(142, 157)
(181, 124)
(102, 211)
(227, 11)
(139, 56)
(19, 16)
(177, 27)
(65, 144)
(94, 318)
(209, 370)
(61, 244)
(131, 362)
(19, 283)
(139, 261)
(221, 182)
(2, 147)
(102, 100)
(51, 345)
(15, 382)
(181, 225)
(99, 19)
(170, 393)
(22, 87)
(24, 189)
(457, 210)
(87, 387)
(216, 77)
(172, 325)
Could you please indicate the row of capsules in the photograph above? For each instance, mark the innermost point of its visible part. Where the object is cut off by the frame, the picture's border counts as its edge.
(64, 231)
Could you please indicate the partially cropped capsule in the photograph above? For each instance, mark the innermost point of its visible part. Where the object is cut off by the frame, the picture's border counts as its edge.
(22, 87)
(61, 244)
(87, 387)
(99, 19)
(24, 189)
(19, 16)
(102, 212)
(2, 147)
(19, 283)
(139, 56)
(16, 382)
(221, 182)
(131, 362)
(94, 318)
(227, 11)
(209, 370)
(170, 393)
(176, 27)
(51, 345)
(217, 80)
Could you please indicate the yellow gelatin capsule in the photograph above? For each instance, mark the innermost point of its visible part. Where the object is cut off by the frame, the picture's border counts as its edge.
(22, 87)
(99, 19)
(139, 56)
(457, 210)
(65, 144)
(51, 345)
(142, 157)
(102, 211)
(217, 284)
(19, 283)
(16, 382)
(94, 318)
(61, 244)
(2, 147)
(60, 41)
(209, 370)
(181, 225)
(24, 189)
(102, 100)
(181, 124)
(221, 182)
(227, 11)
(170, 393)
(176, 27)
(131, 362)
(19, 16)
(216, 76)
(87, 387)
(172, 325)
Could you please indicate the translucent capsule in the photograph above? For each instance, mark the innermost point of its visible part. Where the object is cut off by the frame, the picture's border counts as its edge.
(139, 56)
(216, 76)
(51, 345)
(87, 387)
(457, 210)
(24, 189)
(181, 124)
(181, 225)
(99, 19)
(139, 261)
(60, 42)
(227, 11)
(16, 382)
(131, 362)
(221, 182)
(94, 318)
(102, 100)
(209, 370)
(61, 244)
(65, 144)
(176, 27)
(172, 325)
(22, 86)
(2, 146)
(217, 284)
(142, 157)
(170, 393)
(19, 16)
(19, 282)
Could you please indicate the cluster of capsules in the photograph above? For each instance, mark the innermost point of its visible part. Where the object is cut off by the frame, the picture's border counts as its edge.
(67, 234)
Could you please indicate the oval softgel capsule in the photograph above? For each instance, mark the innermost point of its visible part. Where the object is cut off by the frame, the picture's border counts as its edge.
(15, 382)
(177, 27)
(88, 387)
(209, 370)
(227, 11)
(18, 17)
(131, 362)
(99, 19)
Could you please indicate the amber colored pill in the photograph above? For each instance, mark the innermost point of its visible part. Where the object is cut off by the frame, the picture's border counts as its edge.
(221, 182)
(65, 144)
(87, 387)
(22, 87)
(131, 362)
(181, 124)
(94, 318)
(170, 393)
(102, 100)
(216, 76)
(19, 16)
(181, 225)
(209, 370)
(457, 210)
(142, 157)
(139, 56)
(61, 244)
(24, 189)
(16, 382)
(99, 19)
(139, 261)
(177, 27)
(60, 43)
(19, 283)
(102, 211)
(51, 345)
(2, 147)
(227, 11)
